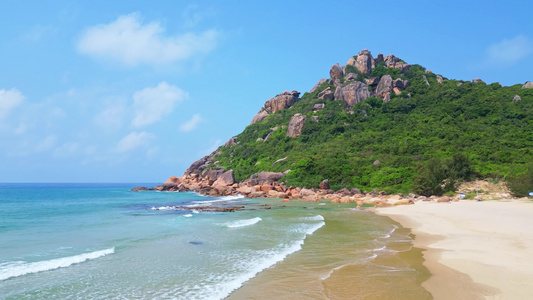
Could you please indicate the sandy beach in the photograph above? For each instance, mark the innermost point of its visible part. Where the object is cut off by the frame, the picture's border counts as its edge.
(475, 250)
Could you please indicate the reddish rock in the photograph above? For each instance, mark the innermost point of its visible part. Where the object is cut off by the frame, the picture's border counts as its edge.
(324, 185)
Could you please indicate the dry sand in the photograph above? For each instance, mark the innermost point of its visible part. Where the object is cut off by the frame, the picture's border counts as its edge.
(475, 250)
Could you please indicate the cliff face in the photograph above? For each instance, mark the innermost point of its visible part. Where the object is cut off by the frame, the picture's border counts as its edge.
(373, 109)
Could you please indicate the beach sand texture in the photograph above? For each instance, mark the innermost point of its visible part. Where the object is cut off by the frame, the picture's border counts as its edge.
(475, 250)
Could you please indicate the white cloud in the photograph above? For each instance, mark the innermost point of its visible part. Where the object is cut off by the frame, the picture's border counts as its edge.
(191, 124)
(66, 149)
(131, 42)
(46, 144)
(509, 51)
(111, 117)
(150, 104)
(9, 99)
(134, 140)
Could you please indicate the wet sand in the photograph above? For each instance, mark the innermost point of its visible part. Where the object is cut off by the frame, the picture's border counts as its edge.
(475, 250)
(346, 259)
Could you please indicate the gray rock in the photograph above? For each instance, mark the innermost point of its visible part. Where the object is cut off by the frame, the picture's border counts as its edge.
(425, 79)
(384, 88)
(516, 98)
(317, 85)
(225, 179)
(266, 177)
(318, 106)
(477, 80)
(528, 85)
(314, 118)
(439, 79)
(295, 125)
(326, 94)
(350, 76)
(352, 93)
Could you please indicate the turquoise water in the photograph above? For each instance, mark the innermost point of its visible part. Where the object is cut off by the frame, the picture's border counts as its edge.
(102, 241)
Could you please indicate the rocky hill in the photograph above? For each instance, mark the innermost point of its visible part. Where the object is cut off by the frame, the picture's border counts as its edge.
(377, 123)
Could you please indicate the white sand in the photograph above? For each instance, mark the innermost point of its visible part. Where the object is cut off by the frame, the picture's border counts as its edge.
(475, 250)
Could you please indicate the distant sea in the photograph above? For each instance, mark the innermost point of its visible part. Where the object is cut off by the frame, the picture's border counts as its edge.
(102, 241)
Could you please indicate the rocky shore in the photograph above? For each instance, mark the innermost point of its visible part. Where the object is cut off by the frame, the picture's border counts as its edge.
(218, 182)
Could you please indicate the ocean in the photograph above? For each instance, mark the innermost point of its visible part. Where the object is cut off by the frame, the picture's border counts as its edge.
(102, 241)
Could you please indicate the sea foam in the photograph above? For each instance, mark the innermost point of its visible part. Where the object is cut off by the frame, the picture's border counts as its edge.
(226, 284)
(21, 268)
(242, 223)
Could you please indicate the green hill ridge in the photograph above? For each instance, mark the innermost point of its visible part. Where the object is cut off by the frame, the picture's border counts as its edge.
(381, 123)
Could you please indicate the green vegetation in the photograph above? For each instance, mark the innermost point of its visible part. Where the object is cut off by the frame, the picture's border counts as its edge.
(427, 139)
(521, 183)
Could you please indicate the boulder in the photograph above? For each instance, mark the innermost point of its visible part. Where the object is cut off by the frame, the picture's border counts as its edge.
(384, 88)
(324, 185)
(392, 61)
(283, 101)
(317, 85)
(225, 179)
(267, 177)
(295, 125)
(363, 62)
(439, 79)
(326, 94)
(350, 76)
(516, 98)
(477, 80)
(372, 81)
(352, 93)
(307, 192)
(528, 85)
(259, 117)
(444, 199)
(314, 118)
(318, 106)
(336, 72)
(213, 175)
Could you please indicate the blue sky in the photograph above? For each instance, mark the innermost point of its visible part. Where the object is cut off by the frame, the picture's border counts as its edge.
(135, 91)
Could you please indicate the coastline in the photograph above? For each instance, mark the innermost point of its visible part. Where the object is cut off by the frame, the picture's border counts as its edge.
(474, 250)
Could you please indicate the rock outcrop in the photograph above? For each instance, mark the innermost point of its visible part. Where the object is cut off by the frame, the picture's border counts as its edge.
(317, 85)
(326, 94)
(384, 88)
(283, 101)
(363, 62)
(272, 105)
(295, 125)
(528, 85)
(259, 117)
(352, 93)
(336, 72)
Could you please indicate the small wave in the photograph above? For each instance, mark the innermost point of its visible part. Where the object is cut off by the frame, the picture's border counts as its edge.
(163, 208)
(222, 288)
(221, 199)
(21, 268)
(331, 272)
(388, 235)
(241, 223)
(187, 215)
(314, 218)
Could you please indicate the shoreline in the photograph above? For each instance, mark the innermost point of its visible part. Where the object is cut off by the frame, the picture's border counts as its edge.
(474, 250)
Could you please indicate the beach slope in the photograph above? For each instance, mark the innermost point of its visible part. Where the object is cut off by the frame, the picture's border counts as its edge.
(475, 250)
